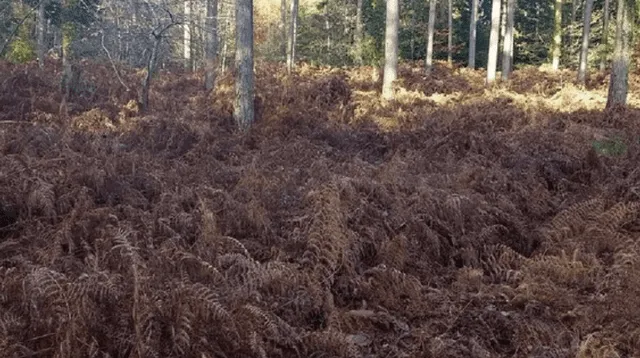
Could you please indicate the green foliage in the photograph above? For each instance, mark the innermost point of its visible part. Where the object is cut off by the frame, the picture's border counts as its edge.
(372, 52)
(21, 51)
(610, 147)
(325, 35)
(22, 47)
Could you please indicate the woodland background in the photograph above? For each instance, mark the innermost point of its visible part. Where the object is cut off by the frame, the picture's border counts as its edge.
(455, 220)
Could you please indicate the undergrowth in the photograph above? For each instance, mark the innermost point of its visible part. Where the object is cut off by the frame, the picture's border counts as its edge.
(453, 222)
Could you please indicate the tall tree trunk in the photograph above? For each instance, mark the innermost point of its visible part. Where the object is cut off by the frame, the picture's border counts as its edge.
(473, 22)
(327, 28)
(450, 34)
(556, 49)
(574, 15)
(494, 38)
(187, 34)
(507, 54)
(569, 35)
(584, 51)
(151, 66)
(293, 32)
(412, 30)
(225, 37)
(283, 28)
(503, 30)
(430, 29)
(244, 111)
(605, 35)
(391, 48)
(618, 85)
(41, 32)
(359, 33)
(68, 36)
(211, 44)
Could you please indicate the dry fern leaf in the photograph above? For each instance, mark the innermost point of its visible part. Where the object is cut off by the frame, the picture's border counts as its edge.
(330, 342)
(181, 330)
(327, 239)
(256, 344)
(205, 302)
(233, 245)
(502, 264)
(186, 257)
(573, 220)
(390, 284)
(42, 199)
(619, 215)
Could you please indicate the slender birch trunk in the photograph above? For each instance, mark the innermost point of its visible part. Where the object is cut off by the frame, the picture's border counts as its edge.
(494, 38)
(584, 51)
(473, 22)
(243, 109)
(391, 48)
(430, 30)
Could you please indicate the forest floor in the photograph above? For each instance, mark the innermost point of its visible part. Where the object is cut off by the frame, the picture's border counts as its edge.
(456, 221)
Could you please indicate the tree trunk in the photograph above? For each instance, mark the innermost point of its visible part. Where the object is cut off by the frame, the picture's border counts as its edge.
(618, 85)
(391, 48)
(151, 66)
(359, 33)
(412, 30)
(450, 34)
(556, 49)
(472, 34)
(41, 32)
(187, 34)
(584, 51)
(211, 44)
(605, 35)
(431, 27)
(293, 31)
(225, 39)
(68, 35)
(283, 28)
(327, 28)
(494, 38)
(503, 30)
(507, 54)
(243, 111)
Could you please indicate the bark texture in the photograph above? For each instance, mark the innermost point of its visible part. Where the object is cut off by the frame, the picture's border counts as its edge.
(494, 38)
(243, 110)
(391, 48)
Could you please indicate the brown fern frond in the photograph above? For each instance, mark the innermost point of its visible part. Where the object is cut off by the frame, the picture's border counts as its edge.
(181, 330)
(205, 302)
(99, 286)
(209, 228)
(331, 342)
(572, 220)
(491, 234)
(208, 269)
(394, 252)
(327, 241)
(619, 215)
(265, 322)
(232, 245)
(390, 287)
(502, 264)
(256, 344)
(41, 199)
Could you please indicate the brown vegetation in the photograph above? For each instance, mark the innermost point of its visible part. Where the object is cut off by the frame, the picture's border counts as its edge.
(454, 222)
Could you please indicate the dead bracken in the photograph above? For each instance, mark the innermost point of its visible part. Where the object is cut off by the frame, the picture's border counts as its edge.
(452, 222)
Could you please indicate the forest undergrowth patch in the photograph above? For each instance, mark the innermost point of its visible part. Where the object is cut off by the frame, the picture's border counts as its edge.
(476, 228)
